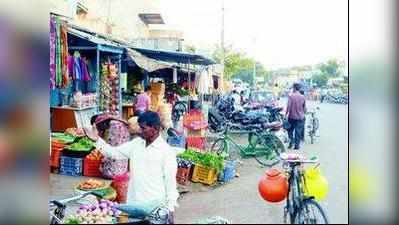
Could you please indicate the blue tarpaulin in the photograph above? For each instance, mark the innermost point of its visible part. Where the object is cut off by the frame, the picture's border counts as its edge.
(175, 57)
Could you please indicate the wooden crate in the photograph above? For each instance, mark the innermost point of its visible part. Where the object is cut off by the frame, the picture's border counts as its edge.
(204, 175)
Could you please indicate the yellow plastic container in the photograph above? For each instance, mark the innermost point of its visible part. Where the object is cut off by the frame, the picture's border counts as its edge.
(315, 184)
(204, 175)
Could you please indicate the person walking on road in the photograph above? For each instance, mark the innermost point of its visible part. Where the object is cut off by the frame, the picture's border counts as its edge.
(304, 119)
(296, 109)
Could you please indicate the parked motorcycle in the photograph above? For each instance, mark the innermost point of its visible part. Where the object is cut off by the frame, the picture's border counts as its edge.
(243, 119)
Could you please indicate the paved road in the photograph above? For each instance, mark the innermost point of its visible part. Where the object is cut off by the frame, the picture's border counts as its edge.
(239, 200)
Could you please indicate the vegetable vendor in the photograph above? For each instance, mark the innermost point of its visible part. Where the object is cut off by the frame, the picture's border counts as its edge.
(153, 168)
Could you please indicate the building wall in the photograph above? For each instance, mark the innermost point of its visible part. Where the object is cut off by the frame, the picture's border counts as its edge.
(121, 14)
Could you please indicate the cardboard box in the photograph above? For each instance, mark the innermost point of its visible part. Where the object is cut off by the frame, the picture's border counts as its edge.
(196, 133)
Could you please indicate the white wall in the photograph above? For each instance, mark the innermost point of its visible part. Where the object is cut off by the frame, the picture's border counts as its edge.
(122, 13)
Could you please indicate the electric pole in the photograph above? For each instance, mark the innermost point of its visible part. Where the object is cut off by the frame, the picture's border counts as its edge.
(254, 72)
(222, 47)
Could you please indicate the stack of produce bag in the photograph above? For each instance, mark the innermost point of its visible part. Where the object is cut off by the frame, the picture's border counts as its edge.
(157, 95)
(165, 114)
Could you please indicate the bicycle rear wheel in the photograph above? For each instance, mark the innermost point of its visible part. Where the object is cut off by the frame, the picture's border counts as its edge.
(221, 147)
(272, 147)
(310, 213)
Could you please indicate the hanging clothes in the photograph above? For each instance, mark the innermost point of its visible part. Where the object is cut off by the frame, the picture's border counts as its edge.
(64, 54)
(58, 73)
(53, 30)
(70, 66)
(85, 69)
(77, 71)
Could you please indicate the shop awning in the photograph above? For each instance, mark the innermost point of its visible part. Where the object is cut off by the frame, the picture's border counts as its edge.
(101, 43)
(145, 62)
(175, 57)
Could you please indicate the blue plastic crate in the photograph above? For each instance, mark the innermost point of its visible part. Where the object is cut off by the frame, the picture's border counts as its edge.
(71, 166)
(71, 161)
(229, 171)
(178, 141)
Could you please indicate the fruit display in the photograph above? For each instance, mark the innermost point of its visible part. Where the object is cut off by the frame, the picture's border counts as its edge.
(62, 137)
(76, 132)
(95, 155)
(84, 144)
(91, 184)
(104, 212)
(177, 89)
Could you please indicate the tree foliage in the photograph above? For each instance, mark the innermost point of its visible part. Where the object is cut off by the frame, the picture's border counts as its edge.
(320, 79)
(238, 65)
(331, 68)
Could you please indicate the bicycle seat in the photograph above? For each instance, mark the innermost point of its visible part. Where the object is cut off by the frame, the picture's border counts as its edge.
(291, 156)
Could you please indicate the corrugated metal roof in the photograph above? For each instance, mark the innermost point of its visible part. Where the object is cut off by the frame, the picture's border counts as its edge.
(177, 57)
(92, 38)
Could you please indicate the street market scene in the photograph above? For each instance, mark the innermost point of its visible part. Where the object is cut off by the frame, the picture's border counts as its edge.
(158, 122)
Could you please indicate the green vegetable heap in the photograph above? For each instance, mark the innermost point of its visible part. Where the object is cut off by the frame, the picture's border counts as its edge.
(208, 159)
(84, 144)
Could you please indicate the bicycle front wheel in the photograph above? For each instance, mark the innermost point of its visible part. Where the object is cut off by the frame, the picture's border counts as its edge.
(272, 147)
(311, 213)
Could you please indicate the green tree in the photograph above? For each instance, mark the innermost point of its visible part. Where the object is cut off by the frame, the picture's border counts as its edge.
(320, 79)
(245, 75)
(331, 68)
(238, 65)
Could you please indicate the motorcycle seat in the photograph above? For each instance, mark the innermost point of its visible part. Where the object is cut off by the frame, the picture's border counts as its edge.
(274, 125)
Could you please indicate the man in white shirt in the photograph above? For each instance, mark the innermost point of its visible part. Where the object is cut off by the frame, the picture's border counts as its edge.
(153, 165)
(236, 97)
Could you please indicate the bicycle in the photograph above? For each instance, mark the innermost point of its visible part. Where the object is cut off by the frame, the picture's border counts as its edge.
(151, 214)
(263, 145)
(301, 209)
(57, 208)
(312, 125)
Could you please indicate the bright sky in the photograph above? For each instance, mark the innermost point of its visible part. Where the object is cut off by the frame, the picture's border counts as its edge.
(286, 32)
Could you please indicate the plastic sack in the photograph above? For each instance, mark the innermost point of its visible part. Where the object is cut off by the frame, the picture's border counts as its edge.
(111, 167)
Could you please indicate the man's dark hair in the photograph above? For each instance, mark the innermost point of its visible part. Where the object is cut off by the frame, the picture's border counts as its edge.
(148, 88)
(150, 119)
(93, 119)
(297, 87)
(103, 126)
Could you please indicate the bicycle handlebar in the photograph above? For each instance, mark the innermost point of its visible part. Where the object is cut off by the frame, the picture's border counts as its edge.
(296, 157)
(61, 203)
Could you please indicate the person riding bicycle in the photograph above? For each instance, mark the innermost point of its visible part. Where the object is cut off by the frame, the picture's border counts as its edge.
(153, 166)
